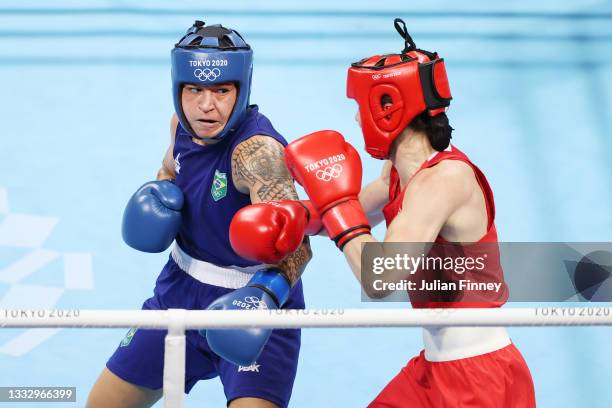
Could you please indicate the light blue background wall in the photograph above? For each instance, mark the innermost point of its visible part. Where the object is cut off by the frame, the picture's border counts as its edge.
(85, 113)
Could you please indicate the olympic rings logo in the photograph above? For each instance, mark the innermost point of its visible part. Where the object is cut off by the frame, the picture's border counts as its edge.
(255, 301)
(207, 74)
(329, 173)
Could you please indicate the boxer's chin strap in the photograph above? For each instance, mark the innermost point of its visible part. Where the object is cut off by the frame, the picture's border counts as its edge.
(206, 140)
(192, 133)
(409, 44)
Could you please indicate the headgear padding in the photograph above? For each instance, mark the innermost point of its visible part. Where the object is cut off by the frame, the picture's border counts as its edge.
(212, 55)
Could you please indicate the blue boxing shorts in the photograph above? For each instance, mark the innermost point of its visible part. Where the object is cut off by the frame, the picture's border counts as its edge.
(139, 359)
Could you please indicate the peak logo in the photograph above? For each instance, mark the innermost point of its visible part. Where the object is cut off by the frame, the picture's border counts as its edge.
(253, 368)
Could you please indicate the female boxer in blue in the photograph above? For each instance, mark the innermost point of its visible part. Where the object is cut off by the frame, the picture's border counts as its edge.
(223, 156)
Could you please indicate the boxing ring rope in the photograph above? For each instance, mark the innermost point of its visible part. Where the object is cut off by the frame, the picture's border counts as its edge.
(176, 321)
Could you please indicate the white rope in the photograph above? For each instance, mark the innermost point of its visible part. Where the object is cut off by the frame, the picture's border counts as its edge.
(176, 321)
(157, 319)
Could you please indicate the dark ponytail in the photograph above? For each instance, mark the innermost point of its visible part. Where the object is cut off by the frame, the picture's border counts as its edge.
(436, 128)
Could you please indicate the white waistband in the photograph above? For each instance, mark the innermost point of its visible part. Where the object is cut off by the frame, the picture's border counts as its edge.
(454, 343)
(231, 277)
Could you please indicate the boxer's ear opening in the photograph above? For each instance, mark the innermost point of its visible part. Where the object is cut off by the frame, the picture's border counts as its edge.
(385, 99)
(386, 102)
(386, 106)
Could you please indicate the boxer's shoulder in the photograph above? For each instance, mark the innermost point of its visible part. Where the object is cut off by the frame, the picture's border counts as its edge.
(451, 170)
(449, 180)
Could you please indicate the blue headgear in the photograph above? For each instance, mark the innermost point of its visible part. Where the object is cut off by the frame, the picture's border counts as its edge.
(211, 55)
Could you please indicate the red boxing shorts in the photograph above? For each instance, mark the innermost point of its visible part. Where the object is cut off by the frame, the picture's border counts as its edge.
(498, 379)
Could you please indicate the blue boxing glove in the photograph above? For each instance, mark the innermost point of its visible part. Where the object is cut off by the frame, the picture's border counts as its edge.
(152, 217)
(267, 289)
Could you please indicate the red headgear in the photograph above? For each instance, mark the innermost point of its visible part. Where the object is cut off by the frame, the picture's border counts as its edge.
(414, 81)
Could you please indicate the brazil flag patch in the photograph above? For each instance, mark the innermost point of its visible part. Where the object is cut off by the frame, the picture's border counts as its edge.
(128, 337)
(219, 186)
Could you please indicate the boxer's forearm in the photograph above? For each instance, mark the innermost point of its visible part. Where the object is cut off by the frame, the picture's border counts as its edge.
(375, 195)
(373, 198)
(258, 168)
(165, 174)
(294, 265)
(352, 252)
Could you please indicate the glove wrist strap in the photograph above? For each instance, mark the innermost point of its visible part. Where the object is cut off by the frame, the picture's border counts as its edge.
(348, 235)
(345, 221)
(274, 282)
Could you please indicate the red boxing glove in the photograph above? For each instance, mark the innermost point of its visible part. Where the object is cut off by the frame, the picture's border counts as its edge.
(329, 169)
(269, 231)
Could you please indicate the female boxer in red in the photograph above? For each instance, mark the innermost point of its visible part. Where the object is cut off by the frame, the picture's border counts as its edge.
(429, 193)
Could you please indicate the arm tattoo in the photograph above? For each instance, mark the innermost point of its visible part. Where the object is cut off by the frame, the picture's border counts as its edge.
(258, 164)
(294, 264)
